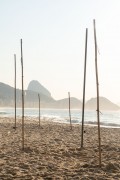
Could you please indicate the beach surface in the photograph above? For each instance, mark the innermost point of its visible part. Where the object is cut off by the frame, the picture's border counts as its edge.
(52, 151)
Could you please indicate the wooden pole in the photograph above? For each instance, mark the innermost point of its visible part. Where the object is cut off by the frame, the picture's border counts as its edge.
(22, 99)
(69, 111)
(15, 88)
(84, 82)
(39, 108)
(97, 87)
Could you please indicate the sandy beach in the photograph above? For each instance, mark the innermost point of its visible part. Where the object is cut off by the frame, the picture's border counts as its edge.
(53, 151)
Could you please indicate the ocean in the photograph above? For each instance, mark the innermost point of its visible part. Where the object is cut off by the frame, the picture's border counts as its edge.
(107, 118)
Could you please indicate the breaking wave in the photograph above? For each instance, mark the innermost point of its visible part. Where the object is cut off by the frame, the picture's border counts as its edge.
(107, 119)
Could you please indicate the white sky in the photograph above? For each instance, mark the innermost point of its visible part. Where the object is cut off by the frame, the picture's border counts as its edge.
(53, 33)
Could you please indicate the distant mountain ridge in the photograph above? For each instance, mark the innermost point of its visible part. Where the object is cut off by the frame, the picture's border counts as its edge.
(63, 103)
(47, 101)
(31, 97)
(105, 104)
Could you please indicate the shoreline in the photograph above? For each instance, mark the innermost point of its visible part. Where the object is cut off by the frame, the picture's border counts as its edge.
(48, 119)
(107, 119)
(53, 151)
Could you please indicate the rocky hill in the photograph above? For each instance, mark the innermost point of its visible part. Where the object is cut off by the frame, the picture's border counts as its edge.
(7, 95)
(31, 97)
(37, 87)
(105, 104)
(63, 103)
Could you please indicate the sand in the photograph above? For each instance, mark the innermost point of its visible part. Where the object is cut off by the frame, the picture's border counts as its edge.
(53, 151)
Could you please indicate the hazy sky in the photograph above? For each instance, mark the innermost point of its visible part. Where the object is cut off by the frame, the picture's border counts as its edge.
(53, 33)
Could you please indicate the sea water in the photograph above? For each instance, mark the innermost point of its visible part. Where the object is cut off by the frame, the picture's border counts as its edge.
(107, 118)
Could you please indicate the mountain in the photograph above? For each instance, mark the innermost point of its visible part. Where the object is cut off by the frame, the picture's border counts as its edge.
(31, 97)
(105, 104)
(64, 103)
(7, 95)
(37, 87)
